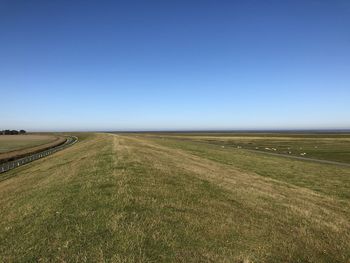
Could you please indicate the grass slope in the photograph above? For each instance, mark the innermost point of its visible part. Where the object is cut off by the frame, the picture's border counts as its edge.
(135, 199)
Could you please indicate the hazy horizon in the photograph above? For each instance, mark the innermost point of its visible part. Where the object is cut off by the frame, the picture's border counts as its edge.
(184, 65)
(316, 130)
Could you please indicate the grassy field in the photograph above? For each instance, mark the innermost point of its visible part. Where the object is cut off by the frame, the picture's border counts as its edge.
(331, 147)
(16, 142)
(141, 198)
(17, 146)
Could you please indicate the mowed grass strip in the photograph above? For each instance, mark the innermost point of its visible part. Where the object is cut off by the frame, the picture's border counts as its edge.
(113, 198)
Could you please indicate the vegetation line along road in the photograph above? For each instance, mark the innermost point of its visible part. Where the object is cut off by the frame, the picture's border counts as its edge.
(19, 162)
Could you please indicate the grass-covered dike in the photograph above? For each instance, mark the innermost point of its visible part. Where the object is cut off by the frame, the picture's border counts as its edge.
(137, 198)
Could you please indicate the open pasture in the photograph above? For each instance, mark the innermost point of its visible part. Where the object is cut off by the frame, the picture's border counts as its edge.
(16, 146)
(16, 142)
(330, 147)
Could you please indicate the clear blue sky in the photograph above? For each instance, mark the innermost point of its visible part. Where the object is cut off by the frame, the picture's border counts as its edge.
(140, 65)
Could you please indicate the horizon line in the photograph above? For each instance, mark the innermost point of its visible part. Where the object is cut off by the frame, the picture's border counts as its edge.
(321, 130)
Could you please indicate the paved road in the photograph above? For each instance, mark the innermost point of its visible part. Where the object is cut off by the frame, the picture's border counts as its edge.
(300, 158)
(16, 163)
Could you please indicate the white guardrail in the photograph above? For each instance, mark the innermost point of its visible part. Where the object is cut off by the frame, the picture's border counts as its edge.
(4, 167)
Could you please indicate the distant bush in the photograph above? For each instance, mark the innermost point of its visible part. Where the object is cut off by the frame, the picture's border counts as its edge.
(12, 132)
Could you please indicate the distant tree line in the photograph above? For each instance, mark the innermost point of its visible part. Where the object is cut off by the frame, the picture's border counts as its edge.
(12, 132)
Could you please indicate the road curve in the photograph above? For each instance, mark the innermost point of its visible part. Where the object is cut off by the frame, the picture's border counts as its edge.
(4, 167)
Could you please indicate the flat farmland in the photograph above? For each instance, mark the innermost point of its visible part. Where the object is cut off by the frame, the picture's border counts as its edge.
(16, 142)
(13, 146)
(165, 198)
